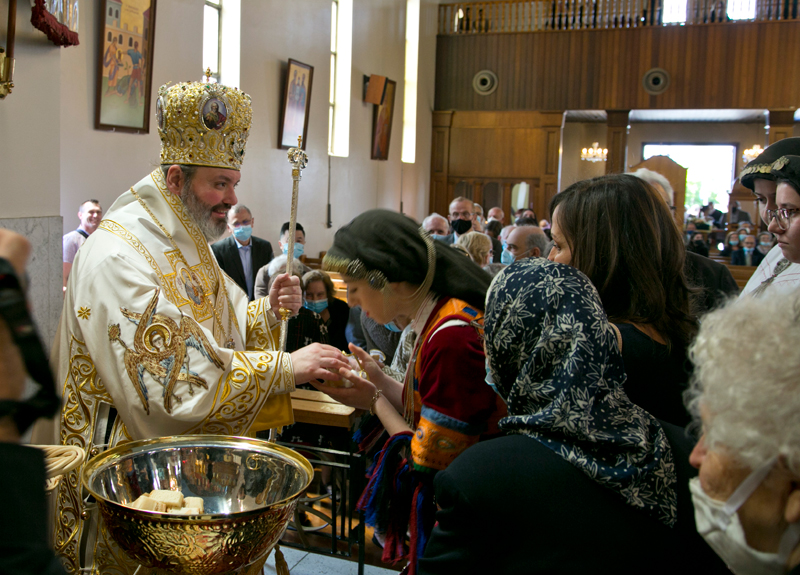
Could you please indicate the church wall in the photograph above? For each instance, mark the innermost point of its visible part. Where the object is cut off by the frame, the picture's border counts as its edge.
(30, 161)
(273, 32)
(101, 164)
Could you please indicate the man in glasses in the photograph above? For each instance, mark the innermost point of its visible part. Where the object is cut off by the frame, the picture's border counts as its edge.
(242, 254)
(779, 271)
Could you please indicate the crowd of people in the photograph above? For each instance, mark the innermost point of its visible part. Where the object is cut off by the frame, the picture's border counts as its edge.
(547, 396)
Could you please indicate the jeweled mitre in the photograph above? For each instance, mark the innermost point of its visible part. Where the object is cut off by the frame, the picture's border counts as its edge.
(203, 124)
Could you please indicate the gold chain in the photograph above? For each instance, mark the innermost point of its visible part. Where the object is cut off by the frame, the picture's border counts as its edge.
(227, 337)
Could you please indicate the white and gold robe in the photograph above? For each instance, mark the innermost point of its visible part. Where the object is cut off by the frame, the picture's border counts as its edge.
(138, 333)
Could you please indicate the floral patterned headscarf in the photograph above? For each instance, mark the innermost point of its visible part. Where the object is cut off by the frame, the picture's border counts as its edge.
(555, 360)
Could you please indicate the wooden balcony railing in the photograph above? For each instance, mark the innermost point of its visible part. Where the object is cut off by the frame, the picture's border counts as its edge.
(509, 16)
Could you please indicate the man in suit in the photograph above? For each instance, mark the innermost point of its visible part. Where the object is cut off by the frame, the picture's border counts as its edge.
(242, 254)
(748, 255)
(462, 218)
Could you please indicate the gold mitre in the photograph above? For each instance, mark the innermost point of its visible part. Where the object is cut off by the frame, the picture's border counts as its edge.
(203, 124)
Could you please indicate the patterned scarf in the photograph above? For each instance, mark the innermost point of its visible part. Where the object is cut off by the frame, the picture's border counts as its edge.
(555, 360)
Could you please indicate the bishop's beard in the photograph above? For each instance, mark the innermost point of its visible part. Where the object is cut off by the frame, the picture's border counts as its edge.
(211, 228)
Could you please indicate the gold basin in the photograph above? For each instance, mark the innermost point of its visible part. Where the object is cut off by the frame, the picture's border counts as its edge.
(249, 488)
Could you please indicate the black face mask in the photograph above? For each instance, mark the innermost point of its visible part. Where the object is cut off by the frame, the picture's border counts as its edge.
(461, 227)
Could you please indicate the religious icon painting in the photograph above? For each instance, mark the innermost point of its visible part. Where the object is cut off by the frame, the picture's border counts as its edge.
(296, 104)
(125, 66)
(215, 114)
(382, 116)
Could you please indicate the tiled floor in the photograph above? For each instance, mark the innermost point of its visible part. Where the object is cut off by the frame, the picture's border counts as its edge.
(304, 563)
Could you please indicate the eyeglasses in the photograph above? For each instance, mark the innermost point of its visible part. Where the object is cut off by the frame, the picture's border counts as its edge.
(782, 215)
(242, 223)
(462, 215)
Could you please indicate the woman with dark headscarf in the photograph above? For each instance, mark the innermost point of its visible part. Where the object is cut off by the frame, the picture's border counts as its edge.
(393, 268)
(586, 481)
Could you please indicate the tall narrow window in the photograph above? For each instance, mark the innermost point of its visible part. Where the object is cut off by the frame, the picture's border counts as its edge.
(341, 61)
(212, 29)
(410, 85)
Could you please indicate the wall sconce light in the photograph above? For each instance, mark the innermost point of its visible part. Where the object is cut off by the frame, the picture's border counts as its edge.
(595, 153)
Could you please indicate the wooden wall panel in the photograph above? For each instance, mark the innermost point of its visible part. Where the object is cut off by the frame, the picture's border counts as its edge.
(475, 148)
(719, 66)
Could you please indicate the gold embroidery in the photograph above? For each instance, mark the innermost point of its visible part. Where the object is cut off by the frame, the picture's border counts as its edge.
(259, 335)
(84, 313)
(188, 286)
(83, 394)
(113, 227)
(159, 348)
(241, 392)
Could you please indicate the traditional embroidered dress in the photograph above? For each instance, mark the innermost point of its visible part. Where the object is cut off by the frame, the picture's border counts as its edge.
(145, 334)
(447, 402)
(453, 408)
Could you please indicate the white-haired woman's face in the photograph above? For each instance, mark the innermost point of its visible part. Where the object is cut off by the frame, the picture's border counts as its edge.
(763, 515)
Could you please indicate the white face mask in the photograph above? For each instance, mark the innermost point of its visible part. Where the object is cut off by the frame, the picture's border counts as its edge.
(718, 523)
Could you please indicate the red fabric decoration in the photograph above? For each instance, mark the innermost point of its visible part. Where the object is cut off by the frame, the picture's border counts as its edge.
(56, 32)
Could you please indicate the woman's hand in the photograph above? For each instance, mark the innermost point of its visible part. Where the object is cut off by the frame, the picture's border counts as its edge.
(359, 396)
(374, 372)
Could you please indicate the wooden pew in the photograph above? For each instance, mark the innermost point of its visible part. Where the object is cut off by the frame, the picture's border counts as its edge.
(741, 274)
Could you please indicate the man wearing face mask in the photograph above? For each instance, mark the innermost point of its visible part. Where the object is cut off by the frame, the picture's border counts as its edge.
(242, 254)
(525, 242)
(299, 240)
(748, 255)
(462, 218)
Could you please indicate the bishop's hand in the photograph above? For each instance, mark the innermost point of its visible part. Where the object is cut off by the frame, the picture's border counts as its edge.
(317, 361)
(285, 293)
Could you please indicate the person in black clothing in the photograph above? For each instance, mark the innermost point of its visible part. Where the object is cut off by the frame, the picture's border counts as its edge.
(641, 283)
(698, 245)
(24, 548)
(319, 297)
(586, 481)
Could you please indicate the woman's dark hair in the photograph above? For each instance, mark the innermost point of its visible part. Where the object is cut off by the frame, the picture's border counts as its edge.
(396, 246)
(622, 236)
(494, 228)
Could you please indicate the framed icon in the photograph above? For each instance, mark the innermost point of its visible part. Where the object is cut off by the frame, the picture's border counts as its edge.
(296, 104)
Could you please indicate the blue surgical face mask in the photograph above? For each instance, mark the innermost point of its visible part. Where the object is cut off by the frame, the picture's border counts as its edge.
(438, 237)
(489, 378)
(748, 250)
(733, 242)
(317, 306)
(766, 244)
(243, 233)
(507, 257)
(391, 326)
(742, 237)
(298, 249)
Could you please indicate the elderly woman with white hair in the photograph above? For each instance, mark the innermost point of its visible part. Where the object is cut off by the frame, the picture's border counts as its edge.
(747, 493)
